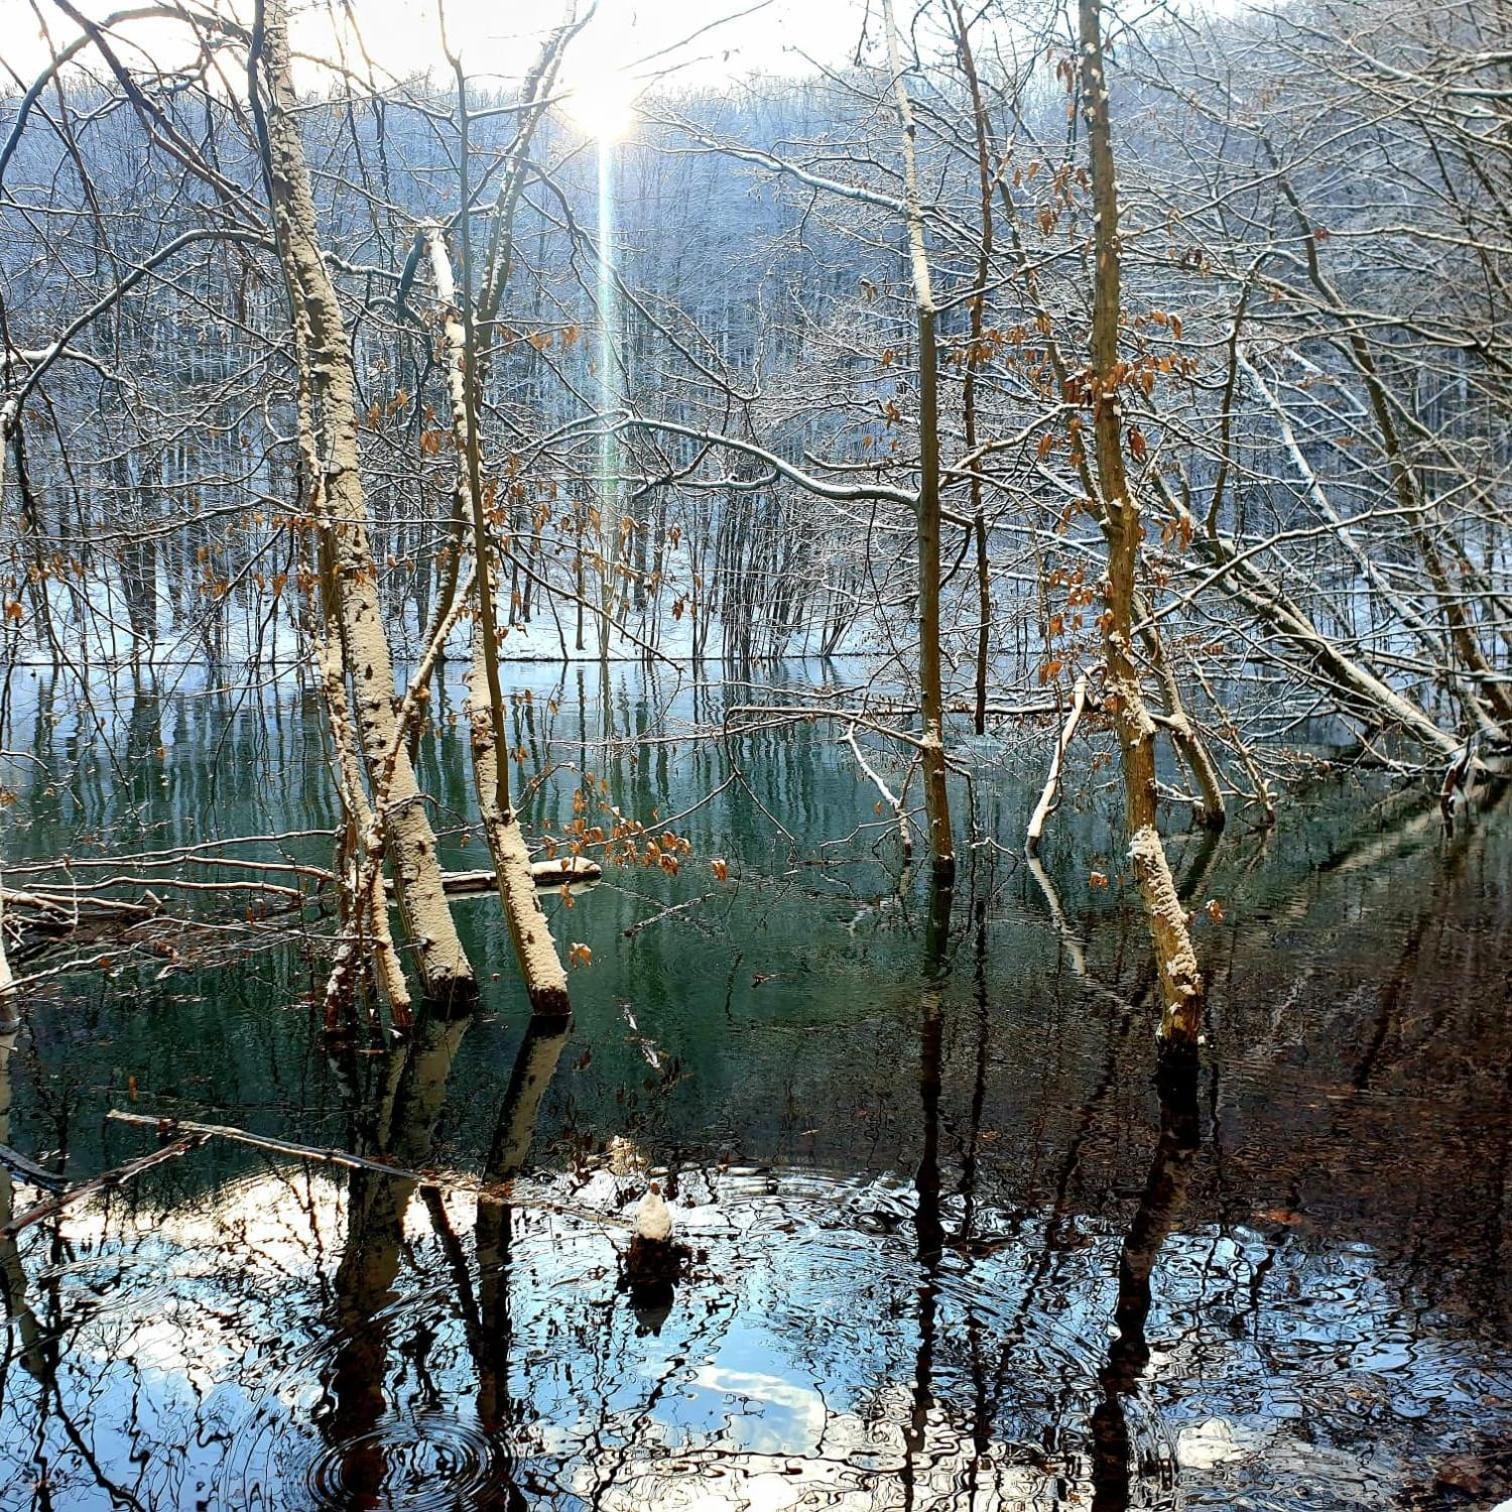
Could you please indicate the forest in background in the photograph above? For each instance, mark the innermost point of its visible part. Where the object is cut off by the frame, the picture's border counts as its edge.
(1132, 378)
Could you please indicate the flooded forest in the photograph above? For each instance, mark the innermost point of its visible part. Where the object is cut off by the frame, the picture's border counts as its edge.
(754, 756)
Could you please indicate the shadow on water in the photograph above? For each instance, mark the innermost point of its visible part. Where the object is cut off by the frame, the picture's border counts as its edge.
(958, 1242)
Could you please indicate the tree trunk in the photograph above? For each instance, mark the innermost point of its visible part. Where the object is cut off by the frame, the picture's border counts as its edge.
(931, 693)
(1180, 980)
(974, 355)
(535, 950)
(411, 843)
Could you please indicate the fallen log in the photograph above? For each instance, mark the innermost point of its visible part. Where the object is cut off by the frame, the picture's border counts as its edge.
(59, 912)
(566, 871)
(66, 909)
(43, 920)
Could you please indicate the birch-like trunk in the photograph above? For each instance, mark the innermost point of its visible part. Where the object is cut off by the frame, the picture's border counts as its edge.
(1180, 980)
(931, 694)
(1049, 799)
(8, 1005)
(535, 949)
(410, 840)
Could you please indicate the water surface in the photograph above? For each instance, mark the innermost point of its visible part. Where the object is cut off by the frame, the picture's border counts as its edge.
(952, 1248)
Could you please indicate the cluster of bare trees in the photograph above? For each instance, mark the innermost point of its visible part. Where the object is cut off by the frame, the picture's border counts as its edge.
(1149, 372)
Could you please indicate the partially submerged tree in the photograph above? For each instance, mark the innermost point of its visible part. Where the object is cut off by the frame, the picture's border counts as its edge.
(1198, 453)
(338, 502)
(1120, 518)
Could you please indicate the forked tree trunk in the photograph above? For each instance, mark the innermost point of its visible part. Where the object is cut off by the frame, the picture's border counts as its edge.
(1180, 980)
(411, 842)
(1209, 809)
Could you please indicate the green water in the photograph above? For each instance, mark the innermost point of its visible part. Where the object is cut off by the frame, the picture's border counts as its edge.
(951, 1250)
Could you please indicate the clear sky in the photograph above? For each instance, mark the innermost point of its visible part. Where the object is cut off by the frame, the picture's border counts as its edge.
(704, 41)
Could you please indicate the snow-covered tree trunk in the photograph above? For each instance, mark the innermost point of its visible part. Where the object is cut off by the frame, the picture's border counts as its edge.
(1180, 979)
(411, 842)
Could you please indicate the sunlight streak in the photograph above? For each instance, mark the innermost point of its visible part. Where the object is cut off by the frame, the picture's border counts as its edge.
(601, 103)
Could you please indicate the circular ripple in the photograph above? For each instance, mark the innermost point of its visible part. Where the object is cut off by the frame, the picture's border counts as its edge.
(421, 1462)
(809, 1359)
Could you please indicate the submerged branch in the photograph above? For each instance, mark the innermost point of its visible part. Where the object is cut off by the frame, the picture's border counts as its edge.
(427, 1180)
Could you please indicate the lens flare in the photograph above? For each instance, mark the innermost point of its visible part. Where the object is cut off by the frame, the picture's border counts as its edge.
(601, 102)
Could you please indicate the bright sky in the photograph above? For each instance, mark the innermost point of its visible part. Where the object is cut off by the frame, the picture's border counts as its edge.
(703, 41)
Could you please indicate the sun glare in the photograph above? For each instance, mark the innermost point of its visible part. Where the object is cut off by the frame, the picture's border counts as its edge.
(601, 101)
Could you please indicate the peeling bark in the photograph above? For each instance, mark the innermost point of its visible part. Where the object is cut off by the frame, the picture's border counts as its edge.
(1180, 979)
(410, 840)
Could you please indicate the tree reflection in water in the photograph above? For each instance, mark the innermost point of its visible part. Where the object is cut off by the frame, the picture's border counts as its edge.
(956, 1250)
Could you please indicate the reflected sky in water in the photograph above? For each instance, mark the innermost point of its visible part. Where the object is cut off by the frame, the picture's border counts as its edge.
(952, 1247)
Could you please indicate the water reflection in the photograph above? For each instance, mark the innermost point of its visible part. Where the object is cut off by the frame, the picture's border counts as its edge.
(373, 1459)
(23, 1339)
(1160, 1206)
(955, 1247)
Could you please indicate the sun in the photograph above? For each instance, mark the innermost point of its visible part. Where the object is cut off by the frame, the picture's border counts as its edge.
(601, 102)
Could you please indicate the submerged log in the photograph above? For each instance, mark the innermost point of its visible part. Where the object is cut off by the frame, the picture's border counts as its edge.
(566, 871)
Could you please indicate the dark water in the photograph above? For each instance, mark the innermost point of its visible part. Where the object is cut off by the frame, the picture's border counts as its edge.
(952, 1249)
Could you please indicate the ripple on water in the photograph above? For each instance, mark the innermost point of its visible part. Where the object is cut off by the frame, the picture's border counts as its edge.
(409, 1462)
(810, 1360)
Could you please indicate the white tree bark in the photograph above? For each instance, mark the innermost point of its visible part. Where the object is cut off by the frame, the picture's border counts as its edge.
(1049, 799)
(411, 842)
(927, 507)
(535, 949)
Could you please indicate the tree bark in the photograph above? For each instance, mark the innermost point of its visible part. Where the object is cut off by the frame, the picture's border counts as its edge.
(1049, 799)
(535, 950)
(927, 509)
(1180, 979)
(974, 356)
(8, 1009)
(411, 842)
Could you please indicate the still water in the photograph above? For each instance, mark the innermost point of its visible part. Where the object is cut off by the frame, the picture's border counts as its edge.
(951, 1247)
